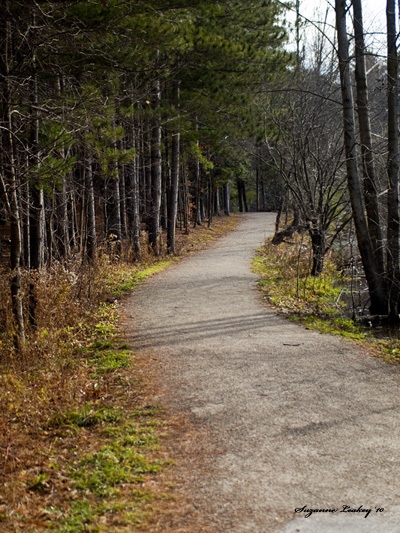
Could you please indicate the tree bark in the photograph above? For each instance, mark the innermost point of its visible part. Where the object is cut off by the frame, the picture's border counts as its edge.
(91, 238)
(64, 220)
(217, 203)
(227, 198)
(393, 247)
(134, 219)
(197, 180)
(10, 186)
(318, 251)
(37, 215)
(174, 185)
(371, 266)
(367, 156)
(241, 187)
(156, 176)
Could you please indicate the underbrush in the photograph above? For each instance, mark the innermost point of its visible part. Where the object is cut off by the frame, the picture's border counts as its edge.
(80, 447)
(322, 303)
(72, 449)
(316, 302)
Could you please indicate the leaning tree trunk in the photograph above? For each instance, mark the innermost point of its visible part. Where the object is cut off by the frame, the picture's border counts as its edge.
(367, 156)
(393, 249)
(371, 266)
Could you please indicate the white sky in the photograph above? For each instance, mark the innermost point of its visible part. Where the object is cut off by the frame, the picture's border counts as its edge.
(373, 14)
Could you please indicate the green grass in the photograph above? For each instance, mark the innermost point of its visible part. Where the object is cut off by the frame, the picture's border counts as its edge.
(85, 417)
(334, 325)
(108, 481)
(127, 439)
(110, 360)
(125, 279)
(82, 516)
(118, 462)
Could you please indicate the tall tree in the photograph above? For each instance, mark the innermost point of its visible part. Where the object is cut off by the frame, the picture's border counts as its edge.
(393, 226)
(376, 282)
(9, 173)
(174, 185)
(367, 156)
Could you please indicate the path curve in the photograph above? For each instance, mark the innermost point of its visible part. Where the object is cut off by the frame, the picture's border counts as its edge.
(286, 417)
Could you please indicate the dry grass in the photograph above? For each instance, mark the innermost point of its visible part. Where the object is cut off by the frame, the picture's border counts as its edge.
(76, 395)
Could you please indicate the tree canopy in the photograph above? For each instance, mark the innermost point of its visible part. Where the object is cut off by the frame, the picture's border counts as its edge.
(120, 119)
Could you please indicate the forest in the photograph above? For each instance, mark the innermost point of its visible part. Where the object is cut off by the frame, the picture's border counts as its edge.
(122, 122)
(129, 127)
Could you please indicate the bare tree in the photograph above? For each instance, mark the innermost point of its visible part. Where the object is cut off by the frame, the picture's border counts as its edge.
(9, 176)
(367, 156)
(393, 236)
(375, 280)
(174, 185)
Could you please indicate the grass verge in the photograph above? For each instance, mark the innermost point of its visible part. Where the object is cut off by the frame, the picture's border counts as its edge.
(316, 303)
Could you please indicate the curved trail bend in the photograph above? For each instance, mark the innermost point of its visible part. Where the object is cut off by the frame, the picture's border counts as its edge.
(285, 417)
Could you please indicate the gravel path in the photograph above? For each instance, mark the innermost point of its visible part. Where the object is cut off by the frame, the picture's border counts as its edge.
(283, 418)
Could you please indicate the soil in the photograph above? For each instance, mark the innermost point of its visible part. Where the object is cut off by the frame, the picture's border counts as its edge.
(266, 417)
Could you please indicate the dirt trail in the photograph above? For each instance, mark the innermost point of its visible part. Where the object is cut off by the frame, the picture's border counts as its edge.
(286, 417)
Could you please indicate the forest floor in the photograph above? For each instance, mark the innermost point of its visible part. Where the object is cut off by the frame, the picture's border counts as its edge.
(262, 416)
(80, 437)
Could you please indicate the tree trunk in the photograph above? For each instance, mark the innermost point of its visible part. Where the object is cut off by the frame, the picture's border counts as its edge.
(123, 208)
(113, 215)
(263, 202)
(134, 219)
(211, 199)
(185, 195)
(246, 208)
(197, 180)
(37, 216)
(370, 188)
(240, 195)
(258, 187)
(26, 229)
(15, 264)
(227, 198)
(91, 238)
(370, 264)
(318, 251)
(217, 203)
(241, 187)
(174, 185)
(64, 220)
(10, 186)
(37, 227)
(156, 176)
(393, 249)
